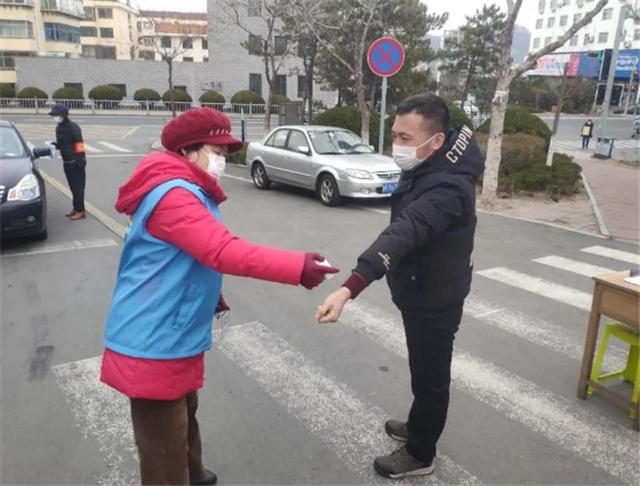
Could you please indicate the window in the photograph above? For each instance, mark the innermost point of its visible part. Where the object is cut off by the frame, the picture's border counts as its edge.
(254, 8)
(105, 13)
(279, 139)
(16, 29)
(539, 23)
(636, 35)
(551, 21)
(603, 37)
(165, 42)
(17, 2)
(106, 33)
(88, 32)
(73, 8)
(99, 52)
(541, 5)
(536, 42)
(281, 84)
(7, 58)
(301, 86)
(280, 44)
(147, 55)
(588, 39)
(547, 41)
(297, 141)
(89, 13)
(77, 86)
(607, 14)
(563, 20)
(574, 41)
(205, 44)
(205, 59)
(55, 32)
(577, 17)
(187, 59)
(254, 45)
(255, 83)
(146, 41)
(187, 43)
(122, 88)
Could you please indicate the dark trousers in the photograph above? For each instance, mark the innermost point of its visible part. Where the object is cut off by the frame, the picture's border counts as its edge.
(77, 179)
(168, 439)
(585, 142)
(430, 336)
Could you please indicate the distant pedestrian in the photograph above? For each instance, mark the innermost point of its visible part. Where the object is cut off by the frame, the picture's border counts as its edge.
(587, 133)
(71, 146)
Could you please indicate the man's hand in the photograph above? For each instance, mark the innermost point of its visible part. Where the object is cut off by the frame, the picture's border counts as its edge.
(332, 307)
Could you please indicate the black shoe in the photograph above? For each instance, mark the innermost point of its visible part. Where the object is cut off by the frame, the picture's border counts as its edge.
(401, 464)
(397, 430)
(209, 478)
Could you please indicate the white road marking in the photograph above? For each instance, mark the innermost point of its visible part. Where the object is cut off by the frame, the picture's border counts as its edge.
(325, 406)
(236, 178)
(572, 266)
(91, 148)
(59, 247)
(614, 254)
(112, 146)
(539, 286)
(115, 156)
(573, 426)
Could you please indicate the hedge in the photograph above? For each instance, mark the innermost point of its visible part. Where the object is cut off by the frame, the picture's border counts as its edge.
(146, 94)
(67, 94)
(348, 117)
(179, 96)
(521, 120)
(279, 99)
(31, 92)
(457, 116)
(239, 157)
(7, 90)
(105, 92)
(211, 96)
(246, 97)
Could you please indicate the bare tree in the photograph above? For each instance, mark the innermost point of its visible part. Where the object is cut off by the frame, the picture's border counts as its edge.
(328, 20)
(506, 74)
(265, 24)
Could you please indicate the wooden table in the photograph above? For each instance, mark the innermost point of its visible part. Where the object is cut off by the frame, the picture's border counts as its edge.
(619, 300)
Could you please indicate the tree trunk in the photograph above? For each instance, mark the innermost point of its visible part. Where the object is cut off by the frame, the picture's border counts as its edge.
(309, 90)
(171, 98)
(494, 146)
(270, 82)
(465, 89)
(362, 105)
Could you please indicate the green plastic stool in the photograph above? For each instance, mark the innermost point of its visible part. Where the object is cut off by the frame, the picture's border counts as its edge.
(631, 373)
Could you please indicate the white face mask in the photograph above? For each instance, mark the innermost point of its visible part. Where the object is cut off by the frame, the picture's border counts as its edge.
(406, 157)
(58, 119)
(217, 164)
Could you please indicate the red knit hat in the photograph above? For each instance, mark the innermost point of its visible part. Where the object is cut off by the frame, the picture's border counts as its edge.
(199, 125)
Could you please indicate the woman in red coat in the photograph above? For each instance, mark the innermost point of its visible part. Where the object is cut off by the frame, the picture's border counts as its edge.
(168, 290)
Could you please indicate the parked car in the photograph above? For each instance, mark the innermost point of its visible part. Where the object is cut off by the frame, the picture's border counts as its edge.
(23, 200)
(333, 162)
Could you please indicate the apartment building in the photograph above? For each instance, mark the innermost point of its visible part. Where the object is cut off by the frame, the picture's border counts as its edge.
(109, 30)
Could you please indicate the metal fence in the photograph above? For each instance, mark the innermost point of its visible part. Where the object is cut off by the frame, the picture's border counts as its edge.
(28, 105)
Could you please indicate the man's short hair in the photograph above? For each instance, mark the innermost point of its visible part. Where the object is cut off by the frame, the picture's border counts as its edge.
(430, 107)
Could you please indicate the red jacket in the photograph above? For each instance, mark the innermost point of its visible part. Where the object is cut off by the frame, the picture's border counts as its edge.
(182, 220)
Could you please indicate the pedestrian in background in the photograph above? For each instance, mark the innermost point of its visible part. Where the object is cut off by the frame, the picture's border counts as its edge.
(169, 289)
(425, 253)
(587, 133)
(71, 146)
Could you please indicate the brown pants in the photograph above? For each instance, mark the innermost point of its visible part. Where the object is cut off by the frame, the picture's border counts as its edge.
(168, 439)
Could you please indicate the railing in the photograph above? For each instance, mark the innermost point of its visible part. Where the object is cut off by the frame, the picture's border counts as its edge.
(35, 105)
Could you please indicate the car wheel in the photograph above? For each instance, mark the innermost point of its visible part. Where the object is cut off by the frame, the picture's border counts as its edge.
(328, 191)
(259, 175)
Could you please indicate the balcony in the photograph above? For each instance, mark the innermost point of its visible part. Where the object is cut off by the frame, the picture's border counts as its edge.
(17, 3)
(72, 8)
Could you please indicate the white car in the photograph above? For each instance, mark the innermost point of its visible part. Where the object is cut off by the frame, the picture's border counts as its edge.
(331, 161)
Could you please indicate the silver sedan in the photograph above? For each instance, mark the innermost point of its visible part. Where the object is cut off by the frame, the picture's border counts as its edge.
(333, 162)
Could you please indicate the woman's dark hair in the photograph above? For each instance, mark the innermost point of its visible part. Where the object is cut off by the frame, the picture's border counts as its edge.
(192, 148)
(430, 107)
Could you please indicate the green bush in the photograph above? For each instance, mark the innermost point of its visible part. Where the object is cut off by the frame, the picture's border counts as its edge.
(279, 99)
(519, 151)
(67, 94)
(246, 97)
(561, 179)
(520, 120)
(7, 90)
(31, 92)
(211, 97)
(239, 157)
(146, 94)
(105, 92)
(348, 117)
(457, 116)
(178, 96)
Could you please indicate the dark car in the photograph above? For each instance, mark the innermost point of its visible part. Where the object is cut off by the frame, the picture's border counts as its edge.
(23, 201)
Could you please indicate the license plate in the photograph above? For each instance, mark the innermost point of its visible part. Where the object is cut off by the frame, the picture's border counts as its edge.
(389, 187)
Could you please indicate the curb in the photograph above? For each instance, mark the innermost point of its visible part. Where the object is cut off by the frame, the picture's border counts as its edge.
(594, 205)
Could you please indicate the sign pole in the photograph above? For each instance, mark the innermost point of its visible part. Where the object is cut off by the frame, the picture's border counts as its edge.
(383, 112)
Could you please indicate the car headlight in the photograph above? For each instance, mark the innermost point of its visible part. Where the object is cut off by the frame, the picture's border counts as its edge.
(27, 189)
(359, 174)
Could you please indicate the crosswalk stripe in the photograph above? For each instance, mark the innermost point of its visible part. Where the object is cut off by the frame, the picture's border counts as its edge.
(539, 286)
(538, 331)
(102, 414)
(614, 254)
(573, 266)
(91, 148)
(325, 406)
(592, 437)
(60, 247)
(112, 146)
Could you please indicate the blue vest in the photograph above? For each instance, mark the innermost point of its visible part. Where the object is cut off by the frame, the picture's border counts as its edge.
(164, 300)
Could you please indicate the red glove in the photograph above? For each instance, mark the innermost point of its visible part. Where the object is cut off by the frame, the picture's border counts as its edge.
(313, 273)
(222, 305)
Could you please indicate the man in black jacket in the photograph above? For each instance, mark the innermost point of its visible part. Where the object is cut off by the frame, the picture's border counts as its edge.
(425, 254)
(71, 146)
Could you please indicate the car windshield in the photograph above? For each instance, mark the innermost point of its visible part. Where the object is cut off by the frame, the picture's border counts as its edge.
(327, 142)
(10, 144)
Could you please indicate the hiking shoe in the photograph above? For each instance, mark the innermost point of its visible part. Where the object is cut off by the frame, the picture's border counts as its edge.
(397, 430)
(401, 464)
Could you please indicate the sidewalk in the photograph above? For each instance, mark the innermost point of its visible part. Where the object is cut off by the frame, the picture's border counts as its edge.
(616, 189)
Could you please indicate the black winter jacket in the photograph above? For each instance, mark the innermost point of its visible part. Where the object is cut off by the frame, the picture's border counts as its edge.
(426, 251)
(70, 143)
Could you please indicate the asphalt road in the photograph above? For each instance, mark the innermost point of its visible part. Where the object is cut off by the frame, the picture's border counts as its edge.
(288, 401)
